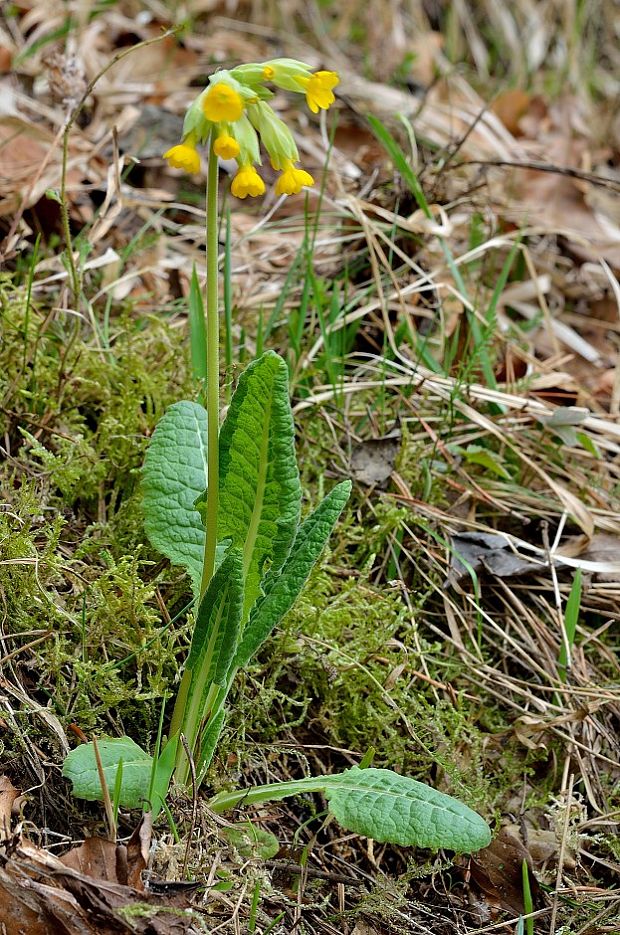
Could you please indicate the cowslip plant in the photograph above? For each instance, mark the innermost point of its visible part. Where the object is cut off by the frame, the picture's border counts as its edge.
(224, 502)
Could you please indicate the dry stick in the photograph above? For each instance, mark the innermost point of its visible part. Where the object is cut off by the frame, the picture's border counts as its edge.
(107, 801)
(601, 180)
(561, 855)
(21, 649)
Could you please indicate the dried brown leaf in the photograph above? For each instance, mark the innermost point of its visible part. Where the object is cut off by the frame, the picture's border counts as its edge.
(372, 461)
(43, 895)
(8, 794)
(497, 870)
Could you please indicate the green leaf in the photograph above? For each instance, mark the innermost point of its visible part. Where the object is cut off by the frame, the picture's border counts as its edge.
(215, 636)
(382, 805)
(80, 767)
(282, 590)
(251, 841)
(174, 475)
(212, 732)
(260, 493)
(387, 807)
(161, 774)
(477, 454)
(213, 647)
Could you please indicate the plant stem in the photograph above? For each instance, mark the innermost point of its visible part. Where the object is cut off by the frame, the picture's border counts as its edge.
(213, 374)
(272, 792)
(64, 210)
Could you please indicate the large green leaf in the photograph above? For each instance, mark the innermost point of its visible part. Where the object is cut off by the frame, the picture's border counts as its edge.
(80, 767)
(174, 476)
(382, 805)
(387, 807)
(283, 588)
(260, 493)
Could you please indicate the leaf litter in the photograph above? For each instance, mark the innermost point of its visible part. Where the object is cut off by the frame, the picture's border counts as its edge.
(529, 169)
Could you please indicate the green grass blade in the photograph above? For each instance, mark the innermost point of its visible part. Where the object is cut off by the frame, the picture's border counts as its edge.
(399, 159)
(571, 618)
(528, 902)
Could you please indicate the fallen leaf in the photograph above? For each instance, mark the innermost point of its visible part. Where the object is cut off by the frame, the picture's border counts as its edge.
(510, 106)
(372, 461)
(8, 794)
(102, 859)
(138, 847)
(6, 59)
(41, 895)
(498, 871)
(488, 551)
(556, 203)
(95, 858)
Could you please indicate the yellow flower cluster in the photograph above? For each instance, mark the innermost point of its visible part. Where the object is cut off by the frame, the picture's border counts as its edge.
(234, 114)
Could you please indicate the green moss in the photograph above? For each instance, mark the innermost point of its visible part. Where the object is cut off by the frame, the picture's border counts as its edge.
(76, 421)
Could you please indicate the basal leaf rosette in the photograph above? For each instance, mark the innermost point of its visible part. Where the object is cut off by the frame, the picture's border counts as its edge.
(233, 114)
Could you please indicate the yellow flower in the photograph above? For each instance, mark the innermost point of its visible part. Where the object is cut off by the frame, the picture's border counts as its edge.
(293, 180)
(226, 147)
(318, 88)
(221, 102)
(268, 72)
(184, 156)
(247, 182)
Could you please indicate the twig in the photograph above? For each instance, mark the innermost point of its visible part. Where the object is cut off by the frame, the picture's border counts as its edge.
(601, 180)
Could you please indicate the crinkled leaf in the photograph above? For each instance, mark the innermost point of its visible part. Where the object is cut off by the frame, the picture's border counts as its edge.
(215, 636)
(387, 807)
(382, 805)
(80, 767)
(283, 588)
(174, 476)
(260, 493)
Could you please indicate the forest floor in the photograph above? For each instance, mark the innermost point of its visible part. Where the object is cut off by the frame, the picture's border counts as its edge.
(446, 299)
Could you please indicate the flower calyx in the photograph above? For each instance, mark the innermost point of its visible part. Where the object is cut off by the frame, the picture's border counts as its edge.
(232, 112)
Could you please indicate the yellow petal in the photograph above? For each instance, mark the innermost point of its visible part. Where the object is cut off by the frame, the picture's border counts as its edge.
(222, 103)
